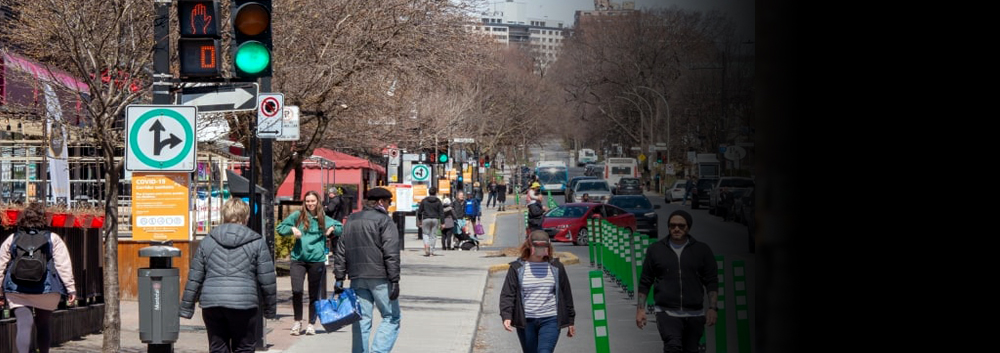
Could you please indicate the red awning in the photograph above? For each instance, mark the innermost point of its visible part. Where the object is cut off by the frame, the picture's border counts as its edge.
(344, 161)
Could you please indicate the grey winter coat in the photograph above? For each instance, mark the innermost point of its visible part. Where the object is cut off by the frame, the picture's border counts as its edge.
(231, 266)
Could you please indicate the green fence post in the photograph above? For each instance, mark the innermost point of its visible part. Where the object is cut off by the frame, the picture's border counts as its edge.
(721, 336)
(630, 257)
(650, 302)
(601, 343)
(742, 309)
(590, 242)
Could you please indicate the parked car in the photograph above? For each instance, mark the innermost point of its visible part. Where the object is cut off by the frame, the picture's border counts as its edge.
(700, 193)
(597, 189)
(568, 222)
(740, 199)
(749, 215)
(730, 184)
(628, 186)
(646, 219)
(572, 183)
(676, 192)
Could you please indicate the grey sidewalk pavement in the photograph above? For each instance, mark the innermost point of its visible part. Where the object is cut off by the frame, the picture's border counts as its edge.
(440, 298)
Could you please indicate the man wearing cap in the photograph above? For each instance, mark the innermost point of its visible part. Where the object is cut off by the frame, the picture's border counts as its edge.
(369, 253)
(683, 269)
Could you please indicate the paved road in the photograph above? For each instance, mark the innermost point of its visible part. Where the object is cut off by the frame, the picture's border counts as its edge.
(725, 238)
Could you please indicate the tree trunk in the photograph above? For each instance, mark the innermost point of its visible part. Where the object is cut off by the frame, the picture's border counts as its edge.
(297, 190)
(112, 314)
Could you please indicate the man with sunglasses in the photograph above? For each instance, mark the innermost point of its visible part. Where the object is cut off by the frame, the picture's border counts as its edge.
(683, 269)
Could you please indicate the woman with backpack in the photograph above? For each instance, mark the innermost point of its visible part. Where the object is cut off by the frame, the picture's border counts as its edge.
(35, 281)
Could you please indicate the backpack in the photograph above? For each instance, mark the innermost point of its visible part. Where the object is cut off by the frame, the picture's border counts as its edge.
(30, 255)
(470, 208)
(535, 210)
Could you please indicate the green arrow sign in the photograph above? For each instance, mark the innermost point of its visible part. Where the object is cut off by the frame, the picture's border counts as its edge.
(160, 138)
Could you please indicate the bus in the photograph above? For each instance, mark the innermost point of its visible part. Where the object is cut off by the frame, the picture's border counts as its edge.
(586, 155)
(617, 168)
(553, 175)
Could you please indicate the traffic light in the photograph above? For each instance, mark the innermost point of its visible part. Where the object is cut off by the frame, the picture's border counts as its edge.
(198, 46)
(252, 50)
(442, 157)
(486, 161)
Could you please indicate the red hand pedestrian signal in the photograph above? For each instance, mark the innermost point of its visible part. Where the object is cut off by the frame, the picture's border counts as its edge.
(199, 14)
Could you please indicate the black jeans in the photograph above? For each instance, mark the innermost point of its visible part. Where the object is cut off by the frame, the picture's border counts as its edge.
(298, 271)
(491, 198)
(680, 334)
(446, 238)
(230, 330)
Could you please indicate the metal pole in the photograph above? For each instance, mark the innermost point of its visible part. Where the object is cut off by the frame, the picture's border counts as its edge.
(161, 88)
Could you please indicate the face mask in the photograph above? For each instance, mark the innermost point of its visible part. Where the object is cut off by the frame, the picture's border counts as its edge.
(540, 251)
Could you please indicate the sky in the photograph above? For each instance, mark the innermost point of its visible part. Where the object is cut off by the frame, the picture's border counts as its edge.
(742, 11)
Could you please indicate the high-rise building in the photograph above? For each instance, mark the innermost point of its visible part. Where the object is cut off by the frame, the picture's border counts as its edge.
(508, 23)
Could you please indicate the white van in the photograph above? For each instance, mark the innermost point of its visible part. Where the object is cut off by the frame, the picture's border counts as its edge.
(617, 168)
(586, 155)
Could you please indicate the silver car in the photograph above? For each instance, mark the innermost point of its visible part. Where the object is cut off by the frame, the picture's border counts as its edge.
(597, 190)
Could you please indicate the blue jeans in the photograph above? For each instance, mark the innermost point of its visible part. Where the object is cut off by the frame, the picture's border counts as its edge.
(539, 335)
(375, 291)
(686, 194)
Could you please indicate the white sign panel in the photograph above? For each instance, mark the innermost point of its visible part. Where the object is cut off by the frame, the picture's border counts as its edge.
(160, 138)
(290, 124)
(420, 172)
(270, 117)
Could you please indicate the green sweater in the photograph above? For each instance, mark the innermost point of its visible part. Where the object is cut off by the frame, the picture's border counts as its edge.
(311, 247)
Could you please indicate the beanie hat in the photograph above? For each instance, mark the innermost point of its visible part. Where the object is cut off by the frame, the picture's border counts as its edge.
(682, 213)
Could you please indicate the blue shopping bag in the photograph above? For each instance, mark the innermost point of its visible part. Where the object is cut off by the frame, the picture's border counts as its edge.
(338, 311)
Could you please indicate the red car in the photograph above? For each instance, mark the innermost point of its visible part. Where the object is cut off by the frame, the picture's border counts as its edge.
(568, 222)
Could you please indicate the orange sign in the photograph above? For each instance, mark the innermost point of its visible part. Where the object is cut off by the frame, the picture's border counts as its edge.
(444, 186)
(161, 205)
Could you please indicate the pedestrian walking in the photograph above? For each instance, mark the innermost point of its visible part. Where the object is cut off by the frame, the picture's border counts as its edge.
(536, 208)
(368, 255)
(33, 284)
(536, 297)
(335, 205)
(680, 269)
(228, 270)
(448, 225)
(473, 212)
(501, 193)
(491, 189)
(688, 186)
(459, 211)
(311, 229)
(430, 212)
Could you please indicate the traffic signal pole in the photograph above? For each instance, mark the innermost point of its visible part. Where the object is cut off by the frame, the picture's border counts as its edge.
(161, 91)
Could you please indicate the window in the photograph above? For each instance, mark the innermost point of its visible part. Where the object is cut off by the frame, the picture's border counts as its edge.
(567, 212)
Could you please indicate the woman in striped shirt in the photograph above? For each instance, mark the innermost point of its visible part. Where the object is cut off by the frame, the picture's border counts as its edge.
(536, 297)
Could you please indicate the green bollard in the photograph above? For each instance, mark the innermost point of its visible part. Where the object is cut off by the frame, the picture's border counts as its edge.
(590, 242)
(721, 336)
(601, 343)
(742, 308)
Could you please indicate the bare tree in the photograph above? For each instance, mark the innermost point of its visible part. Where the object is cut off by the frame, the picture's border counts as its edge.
(108, 45)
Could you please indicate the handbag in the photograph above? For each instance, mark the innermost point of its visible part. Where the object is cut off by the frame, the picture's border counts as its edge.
(338, 311)
(479, 229)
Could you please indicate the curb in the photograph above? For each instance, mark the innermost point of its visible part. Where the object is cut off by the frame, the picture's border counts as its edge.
(567, 258)
(493, 226)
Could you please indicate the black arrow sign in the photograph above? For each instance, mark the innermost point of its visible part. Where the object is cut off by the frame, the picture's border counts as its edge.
(173, 141)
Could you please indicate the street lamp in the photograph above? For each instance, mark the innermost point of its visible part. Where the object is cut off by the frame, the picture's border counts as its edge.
(668, 118)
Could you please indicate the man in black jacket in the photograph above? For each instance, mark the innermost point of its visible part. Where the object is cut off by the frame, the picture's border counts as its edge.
(369, 253)
(334, 205)
(683, 270)
(429, 215)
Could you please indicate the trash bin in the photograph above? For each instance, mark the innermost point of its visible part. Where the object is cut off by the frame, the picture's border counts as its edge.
(159, 295)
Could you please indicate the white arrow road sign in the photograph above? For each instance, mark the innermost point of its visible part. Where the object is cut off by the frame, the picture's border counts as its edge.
(220, 98)
(270, 114)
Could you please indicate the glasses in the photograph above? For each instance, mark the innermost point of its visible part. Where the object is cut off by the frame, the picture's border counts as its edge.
(677, 225)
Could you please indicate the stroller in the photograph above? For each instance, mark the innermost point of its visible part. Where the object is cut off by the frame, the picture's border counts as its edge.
(466, 241)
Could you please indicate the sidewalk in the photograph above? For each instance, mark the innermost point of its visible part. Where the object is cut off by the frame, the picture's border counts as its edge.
(440, 298)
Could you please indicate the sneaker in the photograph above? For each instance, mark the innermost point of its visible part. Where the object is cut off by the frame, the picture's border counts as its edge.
(297, 329)
(310, 330)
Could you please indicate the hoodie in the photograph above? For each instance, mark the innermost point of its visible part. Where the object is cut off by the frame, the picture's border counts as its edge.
(431, 207)
(231, 266)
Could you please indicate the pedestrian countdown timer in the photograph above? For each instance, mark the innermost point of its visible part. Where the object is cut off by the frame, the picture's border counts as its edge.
(160, 138)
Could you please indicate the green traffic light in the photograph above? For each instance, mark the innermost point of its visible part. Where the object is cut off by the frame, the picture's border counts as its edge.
(443, 158)
(252, 57)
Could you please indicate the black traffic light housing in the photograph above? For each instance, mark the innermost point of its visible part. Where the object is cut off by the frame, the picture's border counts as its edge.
(253, 52)
(198, 47)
